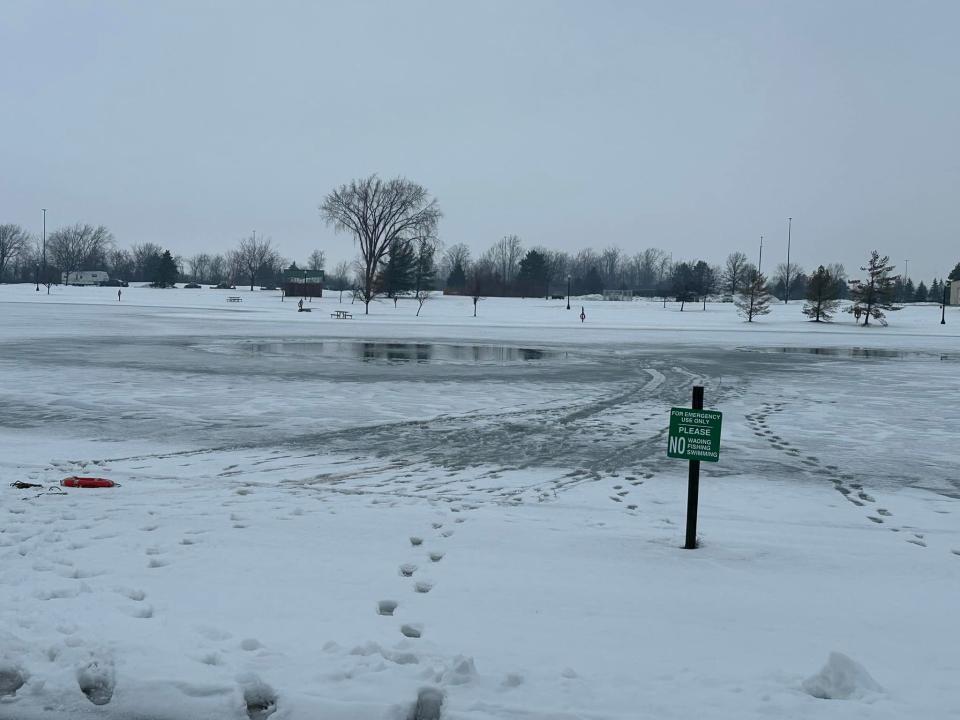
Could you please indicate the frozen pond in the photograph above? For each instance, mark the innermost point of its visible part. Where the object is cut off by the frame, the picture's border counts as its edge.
(860, 353)
(333, 516)
(400, 351)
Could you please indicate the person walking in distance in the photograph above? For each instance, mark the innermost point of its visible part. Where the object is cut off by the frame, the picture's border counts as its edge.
(583, 314)
(118, 295)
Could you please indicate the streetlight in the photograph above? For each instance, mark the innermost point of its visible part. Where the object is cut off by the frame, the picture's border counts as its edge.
(787, 293)
(568, 291)
(46, 280)
(943, 306)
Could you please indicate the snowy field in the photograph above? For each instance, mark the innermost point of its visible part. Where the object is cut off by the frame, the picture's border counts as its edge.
(327, 519)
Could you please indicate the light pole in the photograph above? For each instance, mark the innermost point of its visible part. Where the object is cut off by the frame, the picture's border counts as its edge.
(46, 280)
(943, 306)
(568, 291)
(786, 299)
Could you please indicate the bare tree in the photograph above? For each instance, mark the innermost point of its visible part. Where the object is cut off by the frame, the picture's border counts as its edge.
(506, 254)
(421, 296)
(378, 213)
(144, 258)
(317, 261)
(121, 264)
(786, 275)
(611, 260)
(217, 269)
(253, 253)
(340, 279)
(233, 262)
(646, 265)
(454, 255)
(199, 267)
(13, 241)
(734, 275)
(78, 245)
(556, 268)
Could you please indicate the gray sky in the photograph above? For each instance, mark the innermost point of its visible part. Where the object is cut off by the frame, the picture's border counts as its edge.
(691, 126)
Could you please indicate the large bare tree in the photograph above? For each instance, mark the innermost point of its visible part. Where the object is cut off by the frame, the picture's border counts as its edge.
(77, 245)
(379, 213)
(253, 253)
(13, 241)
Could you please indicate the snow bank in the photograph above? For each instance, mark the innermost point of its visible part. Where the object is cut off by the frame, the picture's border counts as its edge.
(841, 679)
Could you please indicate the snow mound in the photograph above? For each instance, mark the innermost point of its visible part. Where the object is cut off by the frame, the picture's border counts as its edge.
(841, 679)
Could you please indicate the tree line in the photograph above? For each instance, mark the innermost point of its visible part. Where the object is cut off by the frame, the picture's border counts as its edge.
(394, 226)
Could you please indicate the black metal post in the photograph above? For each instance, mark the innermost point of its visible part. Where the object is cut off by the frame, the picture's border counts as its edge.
(568, 292)
(943, 306)
(789, 226)
(693, 482)
(46, 280)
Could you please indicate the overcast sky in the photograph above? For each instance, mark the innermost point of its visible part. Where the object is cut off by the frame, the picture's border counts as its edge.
(691, 126)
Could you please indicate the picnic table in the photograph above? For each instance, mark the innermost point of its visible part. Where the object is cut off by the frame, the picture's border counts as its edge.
(341, 315)
(234, 298)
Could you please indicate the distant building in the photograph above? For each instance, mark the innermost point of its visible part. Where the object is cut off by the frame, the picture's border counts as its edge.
(86, 277)
(954, 292)
(302, 282)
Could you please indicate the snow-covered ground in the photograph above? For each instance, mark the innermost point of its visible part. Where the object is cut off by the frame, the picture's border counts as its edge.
(324, 518)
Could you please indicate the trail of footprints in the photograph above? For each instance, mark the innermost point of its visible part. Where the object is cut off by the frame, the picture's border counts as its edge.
(419, 585)
(843, 483)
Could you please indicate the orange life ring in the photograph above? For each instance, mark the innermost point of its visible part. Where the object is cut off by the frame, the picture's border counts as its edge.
(86, 482)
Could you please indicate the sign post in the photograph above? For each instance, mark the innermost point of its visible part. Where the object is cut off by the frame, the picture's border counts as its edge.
(694, 435)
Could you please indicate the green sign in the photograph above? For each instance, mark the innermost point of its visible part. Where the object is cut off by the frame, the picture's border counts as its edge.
(694, 434)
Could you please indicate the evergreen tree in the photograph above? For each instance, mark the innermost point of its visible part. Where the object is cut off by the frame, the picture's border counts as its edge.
(397, 276)
(705, 280)
(425, 270)
(955, 273)
(164, 271)
(754, 299)
(683, 283)
(936, 291)
(921, 294)
(909, 291)
(458, 277)
(822, 299)
(532, 277)
(592, 283)
(877, 292)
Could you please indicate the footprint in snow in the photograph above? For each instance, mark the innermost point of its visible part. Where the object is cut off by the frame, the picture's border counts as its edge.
(407, 569)
(422, 586)
(97, 680)
(416, 541)
(386, 607)
(411, 631)
(436, 556)
(259, 698)
(12, 678)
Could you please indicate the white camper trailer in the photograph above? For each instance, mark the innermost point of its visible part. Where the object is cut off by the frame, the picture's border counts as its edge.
(86, 277)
